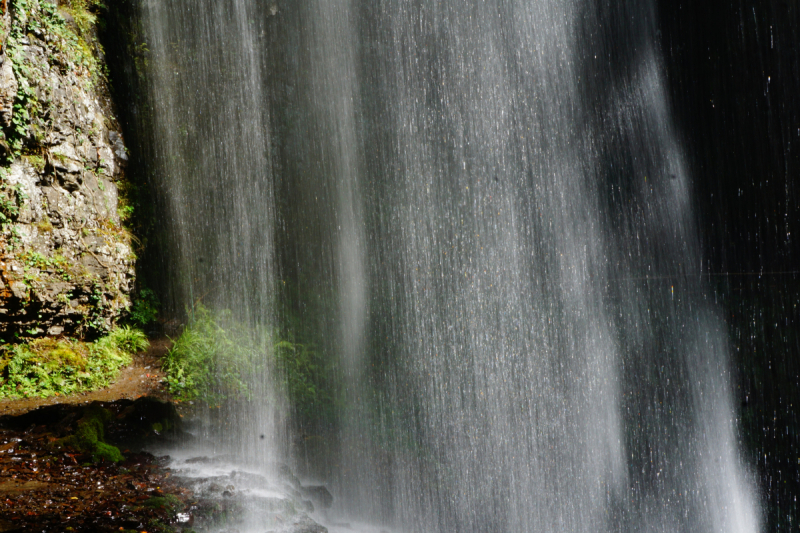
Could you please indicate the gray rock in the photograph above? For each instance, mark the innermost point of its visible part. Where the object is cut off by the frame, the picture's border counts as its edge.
(8, 91)
(19, 290)
(69, 181)
(66, 238)
(319, 495)
(304, 524)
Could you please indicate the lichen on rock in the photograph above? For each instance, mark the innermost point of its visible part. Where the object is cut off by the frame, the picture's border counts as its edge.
(66, 260)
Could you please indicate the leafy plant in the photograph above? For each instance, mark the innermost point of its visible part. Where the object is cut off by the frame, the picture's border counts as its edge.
(83, 15)
(215, 359)
(144, 310)
(11, 200)
(212, 357)
(36, 161)
(124, 212)
(126, 340)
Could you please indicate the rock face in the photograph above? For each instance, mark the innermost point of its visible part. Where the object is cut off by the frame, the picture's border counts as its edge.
(66, 261)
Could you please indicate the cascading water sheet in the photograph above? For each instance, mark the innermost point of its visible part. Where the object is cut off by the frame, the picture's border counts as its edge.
(540, 355)
(494, 198)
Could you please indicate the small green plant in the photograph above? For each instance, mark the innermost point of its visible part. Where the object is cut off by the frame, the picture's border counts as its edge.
(125, 212)
(44, 225)
(11, 200)
(83, 15)
(127, 340)
(58, 263)
(36, 161)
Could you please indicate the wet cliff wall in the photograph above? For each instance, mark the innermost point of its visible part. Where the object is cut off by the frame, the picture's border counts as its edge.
(66, 257)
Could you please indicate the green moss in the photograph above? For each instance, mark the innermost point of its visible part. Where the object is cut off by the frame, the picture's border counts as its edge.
(53, 353)
(89, 436)
(169, 502)
(47, 367)
(36, 161)
(107, 452)
(44, 225)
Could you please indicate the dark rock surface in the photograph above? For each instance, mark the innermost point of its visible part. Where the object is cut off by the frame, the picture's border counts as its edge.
(319, 496)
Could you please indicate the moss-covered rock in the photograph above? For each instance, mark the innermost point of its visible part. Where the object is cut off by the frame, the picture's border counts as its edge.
(89, 436)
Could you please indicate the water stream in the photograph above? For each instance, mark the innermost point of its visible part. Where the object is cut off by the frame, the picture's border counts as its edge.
(485, 213)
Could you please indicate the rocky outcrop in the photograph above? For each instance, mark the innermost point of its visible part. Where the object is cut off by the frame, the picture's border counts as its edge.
(66, 260)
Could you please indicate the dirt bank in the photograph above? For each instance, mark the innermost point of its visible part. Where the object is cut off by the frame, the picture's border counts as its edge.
(142, 378)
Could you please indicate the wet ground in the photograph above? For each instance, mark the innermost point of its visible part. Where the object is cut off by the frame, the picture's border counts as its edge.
(46, 488)
(142, 378)
(56, 491)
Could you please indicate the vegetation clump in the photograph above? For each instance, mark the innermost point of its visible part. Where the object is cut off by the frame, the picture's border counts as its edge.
(89, 436)
(217, 358)
(213, 356)
(144, 310)
(48, 367)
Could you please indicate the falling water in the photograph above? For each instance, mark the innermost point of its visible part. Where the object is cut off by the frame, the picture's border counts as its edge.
(212, 157)
(487, 212)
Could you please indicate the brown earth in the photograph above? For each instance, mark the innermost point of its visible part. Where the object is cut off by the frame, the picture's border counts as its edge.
(142, 378)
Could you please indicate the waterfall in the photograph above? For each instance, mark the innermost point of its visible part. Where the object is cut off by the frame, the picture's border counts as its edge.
(211, 157)
(486, 212)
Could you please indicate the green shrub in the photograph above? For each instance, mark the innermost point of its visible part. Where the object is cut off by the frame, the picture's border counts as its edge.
(212, 358)
(82, 12)
(47, 367)
(126, 339)
(144, 310)
(216, 357)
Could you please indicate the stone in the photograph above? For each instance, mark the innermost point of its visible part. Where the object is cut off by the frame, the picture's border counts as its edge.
(319, 496)
(69, 181)
(19, 290)
(304, 524)
(8, 92)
